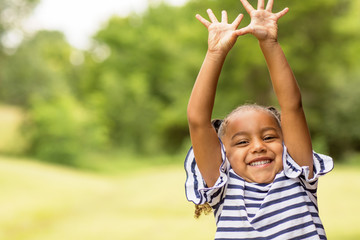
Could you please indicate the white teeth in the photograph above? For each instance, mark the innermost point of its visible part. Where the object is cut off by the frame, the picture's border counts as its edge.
(257, 163)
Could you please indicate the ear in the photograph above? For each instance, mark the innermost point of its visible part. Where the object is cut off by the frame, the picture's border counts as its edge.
(216, 124)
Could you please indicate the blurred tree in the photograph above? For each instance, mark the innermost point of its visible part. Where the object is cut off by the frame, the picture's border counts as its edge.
(342, 70)
(58, 127)
(131, 88)
(61, 130)
(12, 12)
(45, 66)
(155, 58)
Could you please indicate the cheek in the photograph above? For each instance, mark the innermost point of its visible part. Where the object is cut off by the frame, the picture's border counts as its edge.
(281, 150)
(279, 155)
(236, 157)
(277, 147)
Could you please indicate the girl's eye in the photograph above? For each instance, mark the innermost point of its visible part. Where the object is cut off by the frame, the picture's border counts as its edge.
(269, 138)
(242, 142)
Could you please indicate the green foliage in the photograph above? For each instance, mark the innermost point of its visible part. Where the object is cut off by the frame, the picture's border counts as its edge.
(38, 69)
(12, 12)
(133, 85)
(60, 130)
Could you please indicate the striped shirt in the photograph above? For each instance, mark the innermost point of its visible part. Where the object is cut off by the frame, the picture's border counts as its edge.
(284, 209)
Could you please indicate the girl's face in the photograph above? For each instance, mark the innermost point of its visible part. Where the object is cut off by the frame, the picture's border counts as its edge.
(253, 142)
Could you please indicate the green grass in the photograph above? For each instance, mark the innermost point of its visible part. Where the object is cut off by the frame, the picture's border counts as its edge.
(338, 197)
(44, 202)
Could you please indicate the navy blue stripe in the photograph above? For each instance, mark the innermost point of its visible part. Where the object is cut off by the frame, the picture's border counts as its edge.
(192, 170)
(253, 198)
(231, 218)
(290, 229)
(232, 175)
(280, 179)
(217, 207)
(309, 183)
(315, 170)
(316, 215)
(292, 166)
(312, 190)
(232, 197)
(253, 205)
(274, 224)
(234, 208)
(221, 181)
(256, 238)
(234, 186)
(312, 183)
(217, 193)
(235, 229)
(315, 206)
(297, 216)
(279, 211)
(248, 229)
(256, 190)
(318, 225)
(276, 190)
(187, 173)
(262, 184)
(321, 161)
(283, 199)
(305, 236)
(322, 237)
(196, 184)
(237, 208)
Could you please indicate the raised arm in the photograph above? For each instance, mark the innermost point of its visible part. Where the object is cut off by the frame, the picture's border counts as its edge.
(204, 139)
(296, 134)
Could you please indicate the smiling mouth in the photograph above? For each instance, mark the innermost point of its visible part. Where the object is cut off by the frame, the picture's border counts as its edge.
(259, 163)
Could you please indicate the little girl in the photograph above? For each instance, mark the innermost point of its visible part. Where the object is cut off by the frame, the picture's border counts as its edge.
(258, 174)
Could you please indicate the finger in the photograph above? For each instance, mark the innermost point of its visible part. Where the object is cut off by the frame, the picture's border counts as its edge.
(237, 21)
(224, 17)
(247, 6)
(212, 16)
(281, 13)
(205, 22)
(261, 4)
(269, 5)
(244, 30)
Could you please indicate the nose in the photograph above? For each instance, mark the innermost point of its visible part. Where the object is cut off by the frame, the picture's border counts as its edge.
(258, 146)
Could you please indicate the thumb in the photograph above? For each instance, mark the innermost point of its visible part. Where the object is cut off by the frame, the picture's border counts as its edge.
(244, 30)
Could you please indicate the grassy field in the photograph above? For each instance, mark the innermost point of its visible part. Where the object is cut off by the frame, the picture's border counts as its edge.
(44, 202)
(10, 121)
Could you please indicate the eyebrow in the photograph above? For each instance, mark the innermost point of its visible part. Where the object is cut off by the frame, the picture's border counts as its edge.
(265, 129)
(269, 129)
(238, 134)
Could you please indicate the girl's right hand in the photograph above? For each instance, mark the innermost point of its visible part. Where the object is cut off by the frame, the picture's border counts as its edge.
(222, 35)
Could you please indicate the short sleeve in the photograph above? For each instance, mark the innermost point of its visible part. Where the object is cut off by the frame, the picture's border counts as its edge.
(195, 187)
(322, 165)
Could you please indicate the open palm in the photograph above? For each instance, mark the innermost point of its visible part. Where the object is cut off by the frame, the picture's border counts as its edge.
(263, 23)
(222, 35)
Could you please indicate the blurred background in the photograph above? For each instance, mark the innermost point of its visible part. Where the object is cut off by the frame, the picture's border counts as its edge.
(93, 103)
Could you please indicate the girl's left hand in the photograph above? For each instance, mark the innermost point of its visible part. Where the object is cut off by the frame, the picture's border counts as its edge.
(263, 23)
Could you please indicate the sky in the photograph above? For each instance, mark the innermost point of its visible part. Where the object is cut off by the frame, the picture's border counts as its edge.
(80, 19)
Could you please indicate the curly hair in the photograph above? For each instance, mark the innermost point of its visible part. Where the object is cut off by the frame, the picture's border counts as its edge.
(202, 208)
